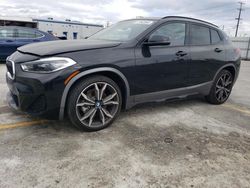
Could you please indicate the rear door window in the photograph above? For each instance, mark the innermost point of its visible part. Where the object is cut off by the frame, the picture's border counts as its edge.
(7, 33)
(215, 37)
(199, 35)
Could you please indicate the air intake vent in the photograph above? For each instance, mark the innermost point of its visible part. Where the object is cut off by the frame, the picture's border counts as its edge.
(10, 68)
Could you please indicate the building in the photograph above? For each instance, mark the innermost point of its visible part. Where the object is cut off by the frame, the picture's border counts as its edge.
(69, 29)
(13, 21)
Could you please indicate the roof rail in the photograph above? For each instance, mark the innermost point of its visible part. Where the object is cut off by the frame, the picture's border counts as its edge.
(189, 19)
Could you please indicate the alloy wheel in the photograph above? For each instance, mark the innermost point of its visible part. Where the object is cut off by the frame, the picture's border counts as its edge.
(223, 87)
(97, 104)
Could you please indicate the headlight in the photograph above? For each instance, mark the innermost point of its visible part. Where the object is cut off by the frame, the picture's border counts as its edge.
(47, 65)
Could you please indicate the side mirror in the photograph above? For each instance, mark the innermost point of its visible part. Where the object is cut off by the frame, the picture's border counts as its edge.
(158, 40)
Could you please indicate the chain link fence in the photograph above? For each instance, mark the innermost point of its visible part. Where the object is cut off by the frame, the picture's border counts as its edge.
(244, 44)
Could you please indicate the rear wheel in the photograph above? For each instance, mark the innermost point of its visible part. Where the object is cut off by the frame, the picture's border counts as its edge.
(94, 103)
(221, 88)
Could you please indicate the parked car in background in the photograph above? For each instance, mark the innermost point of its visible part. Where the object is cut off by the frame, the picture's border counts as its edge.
(131, 62)
(62, 37)
(12, 37)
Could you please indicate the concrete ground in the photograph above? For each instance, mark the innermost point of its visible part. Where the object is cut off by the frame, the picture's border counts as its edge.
(185, 143)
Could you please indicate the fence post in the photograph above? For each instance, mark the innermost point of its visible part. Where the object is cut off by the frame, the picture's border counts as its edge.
(248, 49)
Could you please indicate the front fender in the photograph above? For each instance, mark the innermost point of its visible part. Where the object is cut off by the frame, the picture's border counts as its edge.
(88, 72)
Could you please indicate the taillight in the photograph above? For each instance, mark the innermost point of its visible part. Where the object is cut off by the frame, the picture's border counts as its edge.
(237, 51)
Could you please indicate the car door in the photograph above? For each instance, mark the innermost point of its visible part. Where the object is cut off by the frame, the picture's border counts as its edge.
(162, 67)
(27, 36)
(7, 42)
(206, 51)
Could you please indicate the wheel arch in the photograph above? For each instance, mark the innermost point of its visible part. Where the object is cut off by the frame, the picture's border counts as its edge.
(230, 67)
(232, 70)
(110, 72)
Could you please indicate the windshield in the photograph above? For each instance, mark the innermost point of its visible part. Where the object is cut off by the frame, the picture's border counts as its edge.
(123, 31)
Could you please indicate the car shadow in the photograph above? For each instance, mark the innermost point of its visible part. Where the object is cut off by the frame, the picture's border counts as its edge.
(66, 125)
(140, 109)
(172, 102)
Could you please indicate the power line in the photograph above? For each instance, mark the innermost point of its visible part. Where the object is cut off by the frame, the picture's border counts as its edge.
(208, 8)
(239, 18)
(215, 13)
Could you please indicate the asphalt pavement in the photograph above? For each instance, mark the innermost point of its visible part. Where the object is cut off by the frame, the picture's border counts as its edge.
(187, 143)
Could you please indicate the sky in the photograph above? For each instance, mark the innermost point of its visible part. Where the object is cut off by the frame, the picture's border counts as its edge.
(219, 12)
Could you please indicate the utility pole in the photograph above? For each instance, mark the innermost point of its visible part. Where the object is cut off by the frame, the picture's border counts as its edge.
(239, 18)
(107, 24)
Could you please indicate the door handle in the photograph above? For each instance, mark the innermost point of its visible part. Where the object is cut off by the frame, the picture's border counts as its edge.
(181, 53)
(218, 50)
(9, 41)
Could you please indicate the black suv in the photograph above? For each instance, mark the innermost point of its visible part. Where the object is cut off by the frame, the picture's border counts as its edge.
(131, 62)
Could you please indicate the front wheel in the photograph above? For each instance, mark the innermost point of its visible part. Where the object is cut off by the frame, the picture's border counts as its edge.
(94, 103)
(221, 88)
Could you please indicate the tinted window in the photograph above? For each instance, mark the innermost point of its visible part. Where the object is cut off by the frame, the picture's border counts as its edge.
(174, 31)
(199, 35)
(225, 36)
(215, 37)
(6, 33)
(23, 33)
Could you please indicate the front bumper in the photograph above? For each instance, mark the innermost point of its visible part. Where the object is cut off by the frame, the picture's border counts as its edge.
(36, 94)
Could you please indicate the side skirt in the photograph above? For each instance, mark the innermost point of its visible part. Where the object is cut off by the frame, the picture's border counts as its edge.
(202, 89)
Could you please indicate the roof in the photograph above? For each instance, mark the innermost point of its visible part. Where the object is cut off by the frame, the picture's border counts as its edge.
(21, 27)
(174, 17)
(67, 22)
(13, 26)
(188, 18)
(17, 19)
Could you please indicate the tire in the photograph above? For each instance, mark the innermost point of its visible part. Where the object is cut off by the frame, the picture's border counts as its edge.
(221, 88)
(94, 103)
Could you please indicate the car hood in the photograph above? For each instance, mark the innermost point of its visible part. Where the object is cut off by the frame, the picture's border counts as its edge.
(58, 47)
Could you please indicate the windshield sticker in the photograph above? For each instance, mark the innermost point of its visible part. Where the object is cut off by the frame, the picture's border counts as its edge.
(144, 22)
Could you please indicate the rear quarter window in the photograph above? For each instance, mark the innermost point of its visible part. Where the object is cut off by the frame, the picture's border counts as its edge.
(215, 37)
(225, 37)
